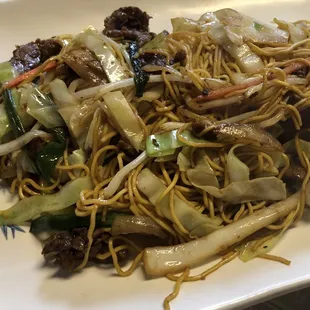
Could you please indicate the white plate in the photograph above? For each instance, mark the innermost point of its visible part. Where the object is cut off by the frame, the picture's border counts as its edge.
(25, 284)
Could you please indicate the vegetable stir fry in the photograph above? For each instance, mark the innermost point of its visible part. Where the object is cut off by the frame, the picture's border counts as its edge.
(160, 149)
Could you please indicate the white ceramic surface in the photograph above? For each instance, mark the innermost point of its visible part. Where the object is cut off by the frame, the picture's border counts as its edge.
(25, 284)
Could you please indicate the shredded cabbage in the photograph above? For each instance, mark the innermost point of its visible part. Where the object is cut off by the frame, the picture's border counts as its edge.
(34, 206)
(267, 188)
(237, 170)
(248, 29)
(183, 159)
(123, 117)
(80, 119)
(61, 95)
(96, 43)
(77, 157)
(190, 218)
(296, 32)
(248, 61)
(202, 176)
(42, 108)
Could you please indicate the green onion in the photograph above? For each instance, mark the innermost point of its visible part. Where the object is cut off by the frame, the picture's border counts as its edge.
(47, 159)
(141, 77)
(258, 26)
(11, 111)
(68, 222)
(166, 143)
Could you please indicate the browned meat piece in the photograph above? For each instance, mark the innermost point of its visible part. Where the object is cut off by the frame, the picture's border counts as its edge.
(157, 59)
(26, 57)
(130, 17)
(48, 48)
(289, 127)
(295, 174)
(153, 59)
(31, 55)
(132, 35)
(86, 65)
(180, 56)
(234, 132)
(67, 249)
(65, 73)
(130, 23)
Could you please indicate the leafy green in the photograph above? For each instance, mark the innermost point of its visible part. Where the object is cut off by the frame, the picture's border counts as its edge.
(162, 144)
(258, 26)
(141, 77)
(11, 112)
(7, 71)
(68, 222)
(48, 157)
(12, 115)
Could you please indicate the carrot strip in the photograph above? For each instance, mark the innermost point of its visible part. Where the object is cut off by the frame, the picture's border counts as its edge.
(219, 93)
(15, 82)
(295, 66)
(222, 92)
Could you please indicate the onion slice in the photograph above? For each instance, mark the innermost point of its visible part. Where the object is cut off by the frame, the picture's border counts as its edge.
(160, 261)
(103, 89)
(131, 224)
(154, 68)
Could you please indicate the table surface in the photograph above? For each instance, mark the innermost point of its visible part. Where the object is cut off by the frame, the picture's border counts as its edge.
(298, 300)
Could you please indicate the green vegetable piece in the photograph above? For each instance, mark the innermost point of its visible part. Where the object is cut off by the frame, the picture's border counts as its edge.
(66, 222)
(11, 107)
(11, 111)
(41, 107)
(258, 26)
(162, 144)
(156, 42)
(32, 207)
(166, 143)
(47, 159)
(141, 77)
(7, 72)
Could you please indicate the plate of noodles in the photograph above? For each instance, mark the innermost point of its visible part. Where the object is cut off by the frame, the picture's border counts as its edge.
(153, 156)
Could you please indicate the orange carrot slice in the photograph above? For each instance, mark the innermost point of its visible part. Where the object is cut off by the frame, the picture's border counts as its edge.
(15, 82)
